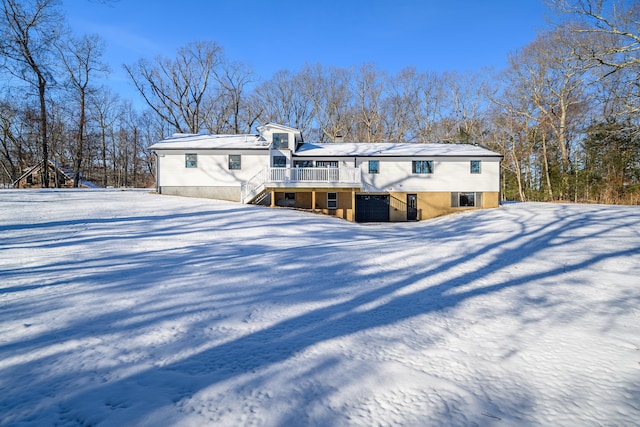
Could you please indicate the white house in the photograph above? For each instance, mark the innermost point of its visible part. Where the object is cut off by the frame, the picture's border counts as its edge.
(355, 181)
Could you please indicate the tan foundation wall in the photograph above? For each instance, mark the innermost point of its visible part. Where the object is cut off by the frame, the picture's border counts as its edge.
(304, 201)
(490, 200)
(430, 205)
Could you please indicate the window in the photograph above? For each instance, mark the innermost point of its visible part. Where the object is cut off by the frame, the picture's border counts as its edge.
(422, 166)
(469, 199)
(332, 200)
(279, 161)
(289, 196)
(234, 161)
(303, 163)
(190, 160)
(280, 140)
(474, 166)
(374, 166)
(466, 199)
(326, 164)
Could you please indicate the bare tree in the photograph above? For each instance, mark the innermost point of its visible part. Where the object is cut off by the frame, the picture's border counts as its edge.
(104, 108)
(177, 89)
(285, 102)
(9, 142)
(517, 102)
(328, 90)
(614, 26)
(400, 101)
(424, 95)
(606, 39)
(513, 135)
(28, 30)
(151, 131)
(462, 107)
(81, 58)
(368, 91)
(233, 79)
(553, 80)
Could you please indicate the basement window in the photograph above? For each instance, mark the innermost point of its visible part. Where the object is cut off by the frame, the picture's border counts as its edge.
(332, 200)
(466, 199)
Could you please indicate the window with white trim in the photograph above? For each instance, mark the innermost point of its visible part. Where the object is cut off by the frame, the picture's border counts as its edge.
(422, 166)
(374, 166)
(326, 164)
(280, 140)
(303, 163)
(235, 162)
(279, 162)
(190, 160)
(474, 166)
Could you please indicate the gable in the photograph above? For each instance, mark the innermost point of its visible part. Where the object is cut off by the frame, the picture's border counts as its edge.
(280, 136)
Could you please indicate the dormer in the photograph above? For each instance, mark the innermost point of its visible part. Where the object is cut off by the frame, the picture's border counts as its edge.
(280, 137)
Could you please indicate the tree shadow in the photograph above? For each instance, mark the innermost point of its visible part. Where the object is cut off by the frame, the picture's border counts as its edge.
(324, 267)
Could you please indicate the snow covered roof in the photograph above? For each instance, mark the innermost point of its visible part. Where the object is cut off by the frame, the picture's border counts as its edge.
(182, 141)
(277, 127)
(392, 150)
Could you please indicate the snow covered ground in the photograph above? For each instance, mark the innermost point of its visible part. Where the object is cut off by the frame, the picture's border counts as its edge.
(128, 308)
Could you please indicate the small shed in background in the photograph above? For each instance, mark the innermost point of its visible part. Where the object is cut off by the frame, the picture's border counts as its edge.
(32, 177)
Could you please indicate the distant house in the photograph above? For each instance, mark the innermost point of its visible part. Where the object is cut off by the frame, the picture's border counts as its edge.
(356, 181)
(33, 177)
(58, 177)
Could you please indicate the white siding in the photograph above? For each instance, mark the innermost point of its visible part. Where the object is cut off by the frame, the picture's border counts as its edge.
(212, 170)
(449, 174)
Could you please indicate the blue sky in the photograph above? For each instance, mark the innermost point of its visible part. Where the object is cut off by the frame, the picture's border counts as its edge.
(432, 35)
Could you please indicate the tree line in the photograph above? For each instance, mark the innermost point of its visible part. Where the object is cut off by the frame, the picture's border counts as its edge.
(564, 112)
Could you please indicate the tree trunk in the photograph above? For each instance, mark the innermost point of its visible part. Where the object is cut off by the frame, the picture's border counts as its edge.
(42, 83)
(80, 144)
(519, 178)
(545, 159)
(104, 159)
(562, 141)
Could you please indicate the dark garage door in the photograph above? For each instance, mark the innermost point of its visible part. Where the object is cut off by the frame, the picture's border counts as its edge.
(372, 208)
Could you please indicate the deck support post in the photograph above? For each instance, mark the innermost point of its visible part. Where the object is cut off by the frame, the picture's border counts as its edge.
(353, 204)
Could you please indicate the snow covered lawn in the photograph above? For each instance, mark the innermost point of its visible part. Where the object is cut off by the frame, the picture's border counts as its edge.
(129, 308)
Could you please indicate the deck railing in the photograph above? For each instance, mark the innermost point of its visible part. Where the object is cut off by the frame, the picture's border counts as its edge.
(296, 177)
(324, 175)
